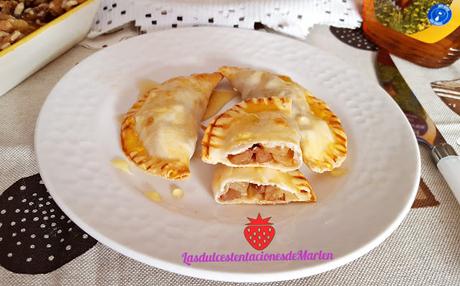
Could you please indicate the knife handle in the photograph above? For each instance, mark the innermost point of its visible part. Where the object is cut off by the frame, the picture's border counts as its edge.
(450, 169)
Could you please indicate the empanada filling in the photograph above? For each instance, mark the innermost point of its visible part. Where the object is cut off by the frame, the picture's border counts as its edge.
(238, 190)
(261, 154)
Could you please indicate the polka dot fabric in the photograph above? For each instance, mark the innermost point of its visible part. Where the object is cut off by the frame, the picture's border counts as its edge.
(35, 235)
(354, 38)
(292, 17)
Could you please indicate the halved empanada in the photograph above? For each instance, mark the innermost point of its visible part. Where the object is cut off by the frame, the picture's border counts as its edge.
(257, 132)
(324, 142)
(260, 186)
(160, 130)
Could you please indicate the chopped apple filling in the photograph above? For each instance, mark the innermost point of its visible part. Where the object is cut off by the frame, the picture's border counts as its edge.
(237, 190)
(260, 154)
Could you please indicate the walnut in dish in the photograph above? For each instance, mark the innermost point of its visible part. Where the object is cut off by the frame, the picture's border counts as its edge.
(22, 17)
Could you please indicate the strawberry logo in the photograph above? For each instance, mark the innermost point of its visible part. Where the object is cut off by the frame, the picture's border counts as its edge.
(259, 232)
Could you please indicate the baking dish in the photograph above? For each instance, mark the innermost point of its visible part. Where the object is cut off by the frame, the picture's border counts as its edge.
(35, 50)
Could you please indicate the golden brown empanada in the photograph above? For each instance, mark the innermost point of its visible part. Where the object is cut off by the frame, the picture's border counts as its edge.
(324, 142)
(257, 132)
(260, 186)
(160, 130)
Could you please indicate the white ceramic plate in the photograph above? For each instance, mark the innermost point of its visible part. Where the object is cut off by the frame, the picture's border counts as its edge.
(77, 136)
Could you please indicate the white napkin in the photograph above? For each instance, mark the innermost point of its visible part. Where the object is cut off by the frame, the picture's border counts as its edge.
(292, 17)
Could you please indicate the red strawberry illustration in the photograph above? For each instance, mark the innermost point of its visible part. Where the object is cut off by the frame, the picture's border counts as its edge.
(259, 232)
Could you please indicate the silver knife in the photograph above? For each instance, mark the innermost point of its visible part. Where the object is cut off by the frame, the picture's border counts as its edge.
(443, 154)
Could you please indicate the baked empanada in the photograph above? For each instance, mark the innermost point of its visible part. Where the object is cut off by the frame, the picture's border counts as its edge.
(257, 132)
(160, 130)
(324, 142)
(260, 186)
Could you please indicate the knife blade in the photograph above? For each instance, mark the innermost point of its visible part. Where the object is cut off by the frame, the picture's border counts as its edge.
(426, 132)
